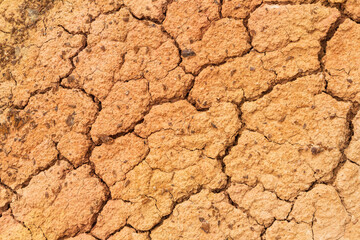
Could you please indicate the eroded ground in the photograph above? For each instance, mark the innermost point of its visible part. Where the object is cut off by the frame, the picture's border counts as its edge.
(179, 119)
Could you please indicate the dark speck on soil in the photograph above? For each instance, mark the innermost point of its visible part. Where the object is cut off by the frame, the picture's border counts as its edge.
(187, 53)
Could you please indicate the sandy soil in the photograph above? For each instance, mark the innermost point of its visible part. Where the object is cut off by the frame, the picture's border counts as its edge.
(179, 119)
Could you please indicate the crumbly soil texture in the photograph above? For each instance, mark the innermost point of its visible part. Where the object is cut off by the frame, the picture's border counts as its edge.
(179, 119)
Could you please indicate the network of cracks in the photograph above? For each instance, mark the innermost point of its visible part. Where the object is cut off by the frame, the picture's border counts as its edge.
(179, 119)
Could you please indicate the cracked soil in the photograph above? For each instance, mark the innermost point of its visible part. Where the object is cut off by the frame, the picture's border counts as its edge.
(179, 119)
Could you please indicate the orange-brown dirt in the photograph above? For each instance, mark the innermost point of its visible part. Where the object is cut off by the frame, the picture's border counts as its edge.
(179, 119)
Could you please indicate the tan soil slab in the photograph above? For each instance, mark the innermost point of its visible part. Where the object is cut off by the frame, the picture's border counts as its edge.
(238, 8)
(236, 80)
(68, 200)
(352, 7)
(342, 62)
(283, 230)
(290, 35)
(202, 37)
(321, 208)
(29, 142)
(12, 229)
(207, 215)
(128, 49)
(347, 182)
(262, 205)
(292, 112)
(129, 234)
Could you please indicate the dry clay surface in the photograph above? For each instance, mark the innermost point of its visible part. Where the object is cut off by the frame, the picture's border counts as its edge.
(179, 119)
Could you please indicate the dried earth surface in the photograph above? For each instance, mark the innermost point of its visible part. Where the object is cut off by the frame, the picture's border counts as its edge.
(179, 119)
